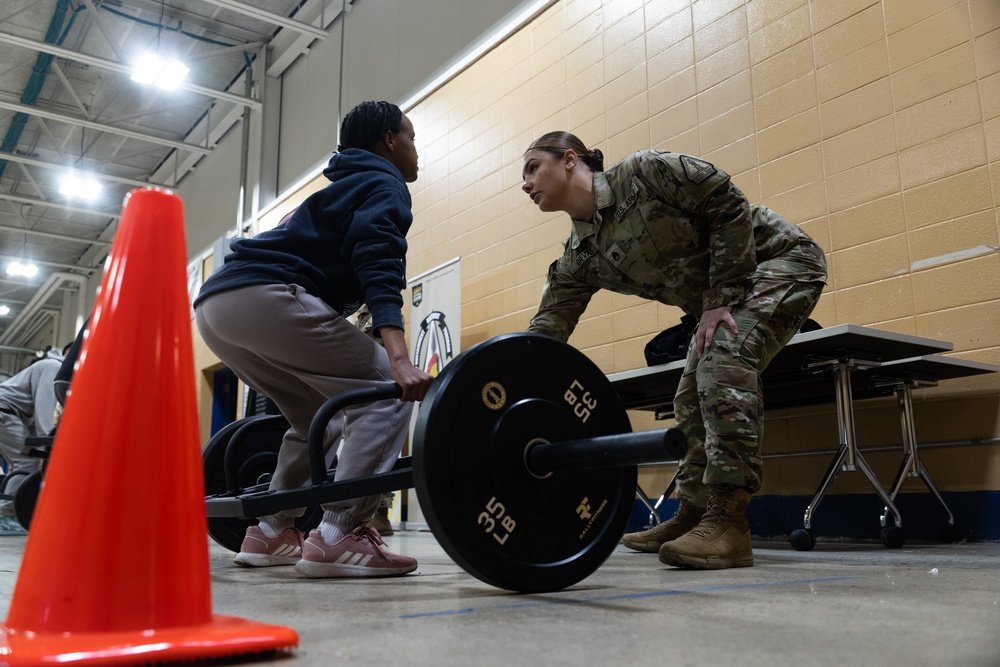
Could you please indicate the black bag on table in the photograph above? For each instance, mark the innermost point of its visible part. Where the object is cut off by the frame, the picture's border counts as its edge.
(671, 344)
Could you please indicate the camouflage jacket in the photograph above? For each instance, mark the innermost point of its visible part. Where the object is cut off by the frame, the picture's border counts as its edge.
(674, 229)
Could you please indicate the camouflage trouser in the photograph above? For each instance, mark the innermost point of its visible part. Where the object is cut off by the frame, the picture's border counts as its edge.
(719, 402)
(386, 502)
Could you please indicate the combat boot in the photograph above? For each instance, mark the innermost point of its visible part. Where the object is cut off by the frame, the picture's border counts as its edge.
(380, 521)
(649, 541)
(720, 540)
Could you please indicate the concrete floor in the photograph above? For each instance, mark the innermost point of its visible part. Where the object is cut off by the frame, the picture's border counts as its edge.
(840, 604)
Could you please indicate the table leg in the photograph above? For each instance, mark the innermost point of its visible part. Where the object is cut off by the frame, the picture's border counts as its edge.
(911, 465)
(848, 458)
(654, 509)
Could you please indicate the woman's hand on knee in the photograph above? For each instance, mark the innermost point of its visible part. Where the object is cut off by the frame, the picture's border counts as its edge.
(710, 320)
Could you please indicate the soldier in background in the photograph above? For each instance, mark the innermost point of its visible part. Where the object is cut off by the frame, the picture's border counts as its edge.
(27, 408)
(674, 229)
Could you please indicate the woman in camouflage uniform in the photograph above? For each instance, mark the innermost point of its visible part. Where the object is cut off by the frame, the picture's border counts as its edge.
(674, 228)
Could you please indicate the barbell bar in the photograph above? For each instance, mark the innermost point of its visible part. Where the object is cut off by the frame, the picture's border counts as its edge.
(608, 451)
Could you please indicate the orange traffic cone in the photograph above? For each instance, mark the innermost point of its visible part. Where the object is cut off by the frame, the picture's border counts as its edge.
(115, 570)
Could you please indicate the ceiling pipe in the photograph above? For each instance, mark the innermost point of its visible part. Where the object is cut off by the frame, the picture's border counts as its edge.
(37, 303)
(17, 350)
(39, 321)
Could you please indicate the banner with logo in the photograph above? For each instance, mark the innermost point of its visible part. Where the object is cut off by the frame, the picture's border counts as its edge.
(434, 327)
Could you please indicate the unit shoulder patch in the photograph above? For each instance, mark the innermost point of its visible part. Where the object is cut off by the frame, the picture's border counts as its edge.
(697, 170)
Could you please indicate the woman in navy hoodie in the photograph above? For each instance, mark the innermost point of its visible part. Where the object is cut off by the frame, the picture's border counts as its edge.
(276, 314)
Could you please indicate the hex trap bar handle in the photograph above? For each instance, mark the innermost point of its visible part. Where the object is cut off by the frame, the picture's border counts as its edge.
(606, 451)
(317, 429)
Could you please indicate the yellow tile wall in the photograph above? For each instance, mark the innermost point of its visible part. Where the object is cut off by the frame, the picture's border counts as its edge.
(874, 124)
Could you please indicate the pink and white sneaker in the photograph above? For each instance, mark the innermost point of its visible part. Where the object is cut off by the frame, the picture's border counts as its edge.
(259, 550)
(360, 553)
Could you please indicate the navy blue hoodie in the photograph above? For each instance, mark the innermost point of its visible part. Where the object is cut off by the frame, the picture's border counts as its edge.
(345, 244)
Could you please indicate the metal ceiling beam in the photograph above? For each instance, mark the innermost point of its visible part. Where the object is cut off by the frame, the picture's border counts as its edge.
(52, 235)
(173, 169)
(249, 47)
(228, 30)
(276, 19)
(68, 87)
(105, 30)
(29, 177)
(42, 262)
(100, 63)
(288, 47)
(100, 127)
(64, 207)
(11, 157)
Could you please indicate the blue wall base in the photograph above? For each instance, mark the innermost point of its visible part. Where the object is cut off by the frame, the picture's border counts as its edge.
(856, 516)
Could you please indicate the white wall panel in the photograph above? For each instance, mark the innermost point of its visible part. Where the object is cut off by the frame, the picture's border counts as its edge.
(433, 34)
(309, 108)
(211, 193)
(374, 55)
(391, 49)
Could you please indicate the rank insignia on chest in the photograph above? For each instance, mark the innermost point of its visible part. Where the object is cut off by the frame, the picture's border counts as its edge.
(615, 255)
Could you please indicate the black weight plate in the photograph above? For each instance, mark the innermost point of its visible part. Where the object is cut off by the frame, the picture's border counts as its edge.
(501, 523)
(257, 457)
(8, 479)
(213, 456)
(26, 497)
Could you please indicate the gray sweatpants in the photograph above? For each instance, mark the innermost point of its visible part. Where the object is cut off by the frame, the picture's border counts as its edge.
(294, 348)
(12, 435)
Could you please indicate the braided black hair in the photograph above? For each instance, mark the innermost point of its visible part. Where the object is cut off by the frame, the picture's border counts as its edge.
(368, 122)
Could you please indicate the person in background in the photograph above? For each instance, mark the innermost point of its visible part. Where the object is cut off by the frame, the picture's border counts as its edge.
(277, 313)
(27, 408)
(673, 228)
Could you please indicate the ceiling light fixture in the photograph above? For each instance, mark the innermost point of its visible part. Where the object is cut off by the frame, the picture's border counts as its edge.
(16, 268)
(79, 186)
(150, 68)
(4, 310)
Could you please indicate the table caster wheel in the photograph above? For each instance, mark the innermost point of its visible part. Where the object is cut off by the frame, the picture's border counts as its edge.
(892, 537)
(948, 533)
(802, 539)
